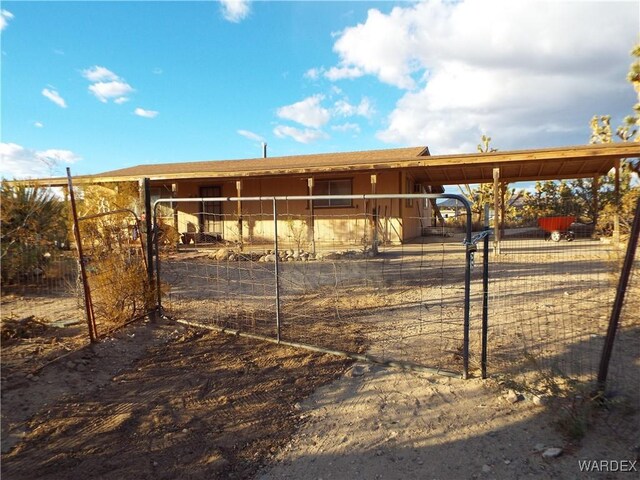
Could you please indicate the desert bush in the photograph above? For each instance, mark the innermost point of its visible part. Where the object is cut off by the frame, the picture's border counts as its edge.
(115, 266)
(33, 221)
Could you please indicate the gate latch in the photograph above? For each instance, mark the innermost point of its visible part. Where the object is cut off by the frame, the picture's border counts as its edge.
(472, 246)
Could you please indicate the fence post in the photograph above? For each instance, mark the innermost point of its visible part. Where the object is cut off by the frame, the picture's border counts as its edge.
(470, 249)
(149, 248)
(277, 267)
(619, 301)
(83, 272)
(485, 292)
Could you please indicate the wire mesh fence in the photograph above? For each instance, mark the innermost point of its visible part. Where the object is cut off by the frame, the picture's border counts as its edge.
(340, 277)
(41, 285)
(552, 286)
(40, 314)
(115, 267)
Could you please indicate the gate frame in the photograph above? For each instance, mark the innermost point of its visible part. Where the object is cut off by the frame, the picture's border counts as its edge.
(469, 243)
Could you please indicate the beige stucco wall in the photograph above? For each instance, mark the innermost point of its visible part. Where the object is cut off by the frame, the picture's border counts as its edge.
(398, 220)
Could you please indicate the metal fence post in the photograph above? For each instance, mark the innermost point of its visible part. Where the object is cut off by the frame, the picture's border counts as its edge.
(83, 271)
(619, 301)
(149, 247)
(470, 249)
(277, 267)
(485, 292)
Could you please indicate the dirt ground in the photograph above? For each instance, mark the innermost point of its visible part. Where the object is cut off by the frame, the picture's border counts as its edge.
(162, 401)
(159, 400)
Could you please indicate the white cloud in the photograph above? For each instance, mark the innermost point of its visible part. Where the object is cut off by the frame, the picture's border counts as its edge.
(141, 112)
(363, 109)
(99, 74)
(340, 73)
(105, 91)
(346, 127)
(526, 72)
(5, 16)
(235, 10)
(313, 73)
(55, 97)
(20, 162)
(107, 85)
(307, 135)
(38, 124)
(251, 136)
(307, 112)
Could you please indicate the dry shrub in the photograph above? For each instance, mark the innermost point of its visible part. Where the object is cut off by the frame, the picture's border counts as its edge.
(119, 288)
(15, 328)
(116, 269)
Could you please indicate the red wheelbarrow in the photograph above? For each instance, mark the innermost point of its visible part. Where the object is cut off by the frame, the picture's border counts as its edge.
(557, 228)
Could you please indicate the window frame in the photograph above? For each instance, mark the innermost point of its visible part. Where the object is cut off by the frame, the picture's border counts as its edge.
(329, 181)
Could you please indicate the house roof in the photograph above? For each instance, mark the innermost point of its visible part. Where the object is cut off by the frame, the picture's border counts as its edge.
(271, 165)
(515, 165)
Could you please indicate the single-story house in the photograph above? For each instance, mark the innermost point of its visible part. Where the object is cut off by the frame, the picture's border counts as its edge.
(389, 171)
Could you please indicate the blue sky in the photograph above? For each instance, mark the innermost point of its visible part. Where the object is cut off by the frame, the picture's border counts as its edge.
(105, 85)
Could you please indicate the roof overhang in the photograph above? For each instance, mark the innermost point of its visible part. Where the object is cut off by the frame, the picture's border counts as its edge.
(515, 166)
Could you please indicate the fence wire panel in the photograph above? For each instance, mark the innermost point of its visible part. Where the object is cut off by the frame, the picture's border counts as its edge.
(40, 283)
(361, 276)
(552, 286)
(623, 383)
(41, 316)
(116, 268)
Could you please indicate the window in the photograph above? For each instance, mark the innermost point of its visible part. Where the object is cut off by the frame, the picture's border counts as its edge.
(211, 212)
(332, 187)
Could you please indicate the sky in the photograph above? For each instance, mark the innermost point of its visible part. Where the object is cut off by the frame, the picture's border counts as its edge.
(99, 86)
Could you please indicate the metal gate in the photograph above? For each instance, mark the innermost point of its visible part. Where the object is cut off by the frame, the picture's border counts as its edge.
(357, 275)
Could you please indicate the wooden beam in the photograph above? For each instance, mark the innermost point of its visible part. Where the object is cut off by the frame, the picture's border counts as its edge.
(496, 211)
(239, 213)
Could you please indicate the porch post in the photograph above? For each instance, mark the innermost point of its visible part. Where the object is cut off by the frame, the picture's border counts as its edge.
(496, 211)
(174, 210)
(616, 215)
(503, 207)
(595, 188)
(312, 230)
(374, 216)
(239, 189)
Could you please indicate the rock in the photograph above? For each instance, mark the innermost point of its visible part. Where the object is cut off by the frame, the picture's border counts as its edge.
(539, 447)
(232, 258)
(70, 364)
(262, 259)
(486, 468)
(513, 396)
(552, 452)
(221, 254)
(539, 400)
(270, 258)
(356, 371)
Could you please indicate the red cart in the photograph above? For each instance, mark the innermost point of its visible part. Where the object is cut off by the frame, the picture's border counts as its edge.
(557, 228)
